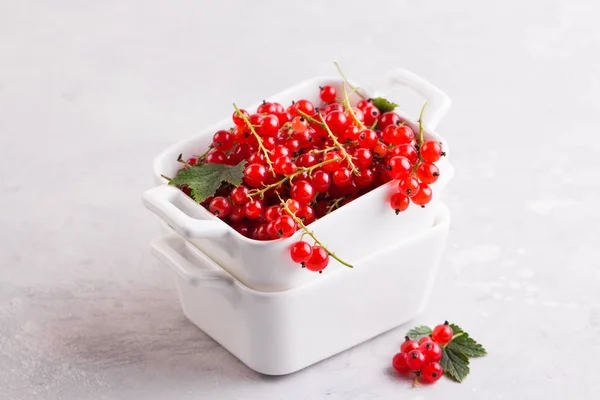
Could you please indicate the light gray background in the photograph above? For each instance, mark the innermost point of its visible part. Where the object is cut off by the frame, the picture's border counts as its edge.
(91, 91)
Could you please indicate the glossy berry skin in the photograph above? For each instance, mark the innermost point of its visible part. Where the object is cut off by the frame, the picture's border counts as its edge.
(423, 196)
(300, 252)
(239, 195)
(266, 108)
(255, 175)
(363, 104)
(260, 233)
(365, 177)
(327, 94)
(399, 363)
(303, 192)
(380, 150)
(399, 202)
(428, 173)
(272, 213)
(306, 213)
(431, 372)
(284, 166)
(405, 150)
(350, 134)
(357, 113)
(253, 209)
(431, 151)
(389, 118)
(292, 205)
(269, 126)
(285, 226)
(237, 213)
(257, 158)
(424, 339)
(305, 106)
(371, 114)
(334, 165)
(223, 140)
(442, 333)
(342, 177)
(367, 139)
(431, 350)
(318, 259)
(215, 157)
(415, 360)
(333, 107)
(306, 160)
(192, 161)
(399, 167)
(256, 119)
(279, 151)
(409, 186)
(408, 345)
(321, 181)
(220, 206)
(237, 119)
(362, 158)
(337, 122)
(299, 124)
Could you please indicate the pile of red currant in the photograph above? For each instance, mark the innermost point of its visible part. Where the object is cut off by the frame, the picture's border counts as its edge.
(307, 160)
(423, 357)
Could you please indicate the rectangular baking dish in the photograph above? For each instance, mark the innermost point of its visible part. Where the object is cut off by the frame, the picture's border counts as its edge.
(354, 231)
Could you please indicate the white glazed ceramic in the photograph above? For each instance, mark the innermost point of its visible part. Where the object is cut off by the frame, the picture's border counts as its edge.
(357, 229)
(280, 333)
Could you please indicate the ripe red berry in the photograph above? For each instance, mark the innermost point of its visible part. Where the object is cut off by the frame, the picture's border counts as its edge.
(381, 150)
(408, 345)
(350, 134)
(220, 206)
(285, 226)
(409, 186)
(318, 259)
(423, 196)
(305, 106)
(415, 360)
(257, 158)
(192, 161)
(389, 118)
(239, 195)
(362, 158)
(269, 126)
(284, 166)
(237, 213)
(321, 181)
(333, 107)
(342, 177)
(256, 119)
(243, 228)
(253, 209)
(428, 173)
(328, 94)
(299, 124)
(255, 175)
(364, 178)
(431, 350)
(399, 167)
(215, 157)
(306, 213)
(363, 104)
(405, 150)
(358, 115)
(280, 151)
(367, 139)
(266, 108)
(292, 205)
(303, 192)
(431, 372)
(424, 339)
(334, 165)
(431, 151)
(242, 134)
(300, 252)
(371, 114)
(442, 333)
(260, 233)
(306, 160)
(237, 119)
(399, 202)
(272, 213)
(399, 363)
(223, 140)
(337, 122)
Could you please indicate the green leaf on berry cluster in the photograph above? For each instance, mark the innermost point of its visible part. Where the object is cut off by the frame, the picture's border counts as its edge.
(456, 329)
(465, 345)
(455, 364)
(418, 332)
(383, 105)
(205, 179)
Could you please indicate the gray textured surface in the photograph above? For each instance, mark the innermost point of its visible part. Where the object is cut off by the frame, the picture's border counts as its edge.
(91, 91)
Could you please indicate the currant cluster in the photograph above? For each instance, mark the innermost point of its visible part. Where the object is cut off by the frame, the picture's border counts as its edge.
(423, 357)
(306, 160)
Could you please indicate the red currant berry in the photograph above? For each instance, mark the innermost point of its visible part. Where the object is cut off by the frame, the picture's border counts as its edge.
(244, 228)
(293, 146)
(409, 186)
(405, 150)
(333, 107)
(269, 126)
(237, 213)
(337, 122)
(223, 140)
(253, 209)
(363, 104)
(318, 259)
(357, 113)
(342, 177)
(399, 202)
(306, 213)
(399, 167)
(321, 181)
(239, 195)
(305, 106)
(237, 119)
(256, 119)
(215, 157)
(292, 205)
(300, 252)
(367, 139)
(364, 178)
(362, 158)
(321, 208)
(333, 165)
(442, 333)
(284, 166)
(242, 134)
(257, 158)
(266, 108)
(403, 135)
(380, 149)
(389, 118)
(284, 117)
(350, 134)
(423, 196)
(272, 213)
(192, 161)
(415, 360)
(371, 114)
(424, 339)
(306, 160)
(431, 350)
(280, 151)
(399, 363)
(255, 175)
(220, 206)
(408, 345)
(431, 151)
(285, 226)
(299, 124)
(242, 152)
(303, 192)
(431, 372)
(428, 173)
(269, 142)
(328, 94)
(260, 233)
(278, 108)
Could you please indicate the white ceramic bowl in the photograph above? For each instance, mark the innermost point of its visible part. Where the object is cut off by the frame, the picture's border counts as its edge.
(280, 333)
(353, 232)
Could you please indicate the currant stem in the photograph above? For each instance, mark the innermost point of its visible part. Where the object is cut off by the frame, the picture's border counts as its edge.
(349, 108)
(421, 125)
(347, 156)
(311, 234)
(258, 139)
(311, 119)
(355, 90)
(166, 177)
(335, 204)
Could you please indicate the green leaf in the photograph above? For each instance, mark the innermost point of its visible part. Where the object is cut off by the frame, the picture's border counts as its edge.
(418, 332)
(465, 345)
(456, 329)
(204, 179)
(455, 365)
(383, 105)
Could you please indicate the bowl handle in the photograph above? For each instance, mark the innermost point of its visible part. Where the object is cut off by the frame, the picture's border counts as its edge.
(438, 102)
(176, 253)
(161, 200)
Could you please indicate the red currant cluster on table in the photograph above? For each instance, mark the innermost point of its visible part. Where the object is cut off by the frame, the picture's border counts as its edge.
(423, 357)
(305, 161)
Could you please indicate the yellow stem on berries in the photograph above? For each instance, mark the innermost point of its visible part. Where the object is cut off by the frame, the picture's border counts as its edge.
(311, 234)
(310, 119)
(258, 139)
(347, 156)
(350, 110)
(335, 204)
(355, 90)
(421, 124)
